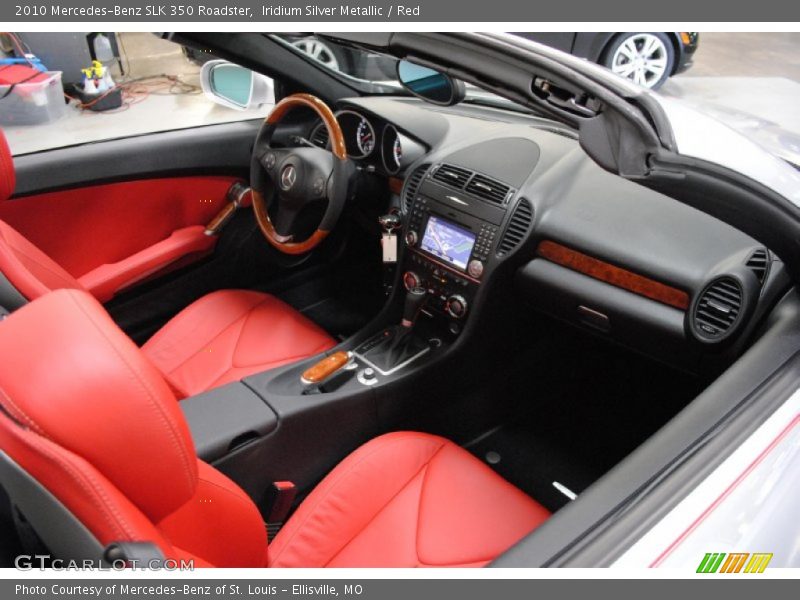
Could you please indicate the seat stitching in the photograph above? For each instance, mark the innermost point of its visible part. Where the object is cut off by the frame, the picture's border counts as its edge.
(203, 347)
(149, 394)
(382, 508)
(12, 406)
(181, 316)
(95, 493)
(419, 503)
(339, 480)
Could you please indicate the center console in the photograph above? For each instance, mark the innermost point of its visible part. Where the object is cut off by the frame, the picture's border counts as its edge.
(451, 241)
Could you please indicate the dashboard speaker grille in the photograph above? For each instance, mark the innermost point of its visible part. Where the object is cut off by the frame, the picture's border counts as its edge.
(517, 228)
(718, 309)
(412, 185)
(452, 175)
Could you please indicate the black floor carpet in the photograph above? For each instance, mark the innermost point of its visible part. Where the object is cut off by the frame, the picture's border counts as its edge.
(581, 407)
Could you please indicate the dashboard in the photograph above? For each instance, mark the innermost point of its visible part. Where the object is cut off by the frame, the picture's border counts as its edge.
(486, 190)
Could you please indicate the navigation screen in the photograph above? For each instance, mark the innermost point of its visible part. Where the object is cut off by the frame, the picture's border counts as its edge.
(448, 241)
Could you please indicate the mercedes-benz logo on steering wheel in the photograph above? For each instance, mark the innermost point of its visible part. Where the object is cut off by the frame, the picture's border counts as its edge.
(288, 177)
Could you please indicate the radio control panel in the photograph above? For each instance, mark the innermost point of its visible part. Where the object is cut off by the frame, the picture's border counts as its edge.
(447, 253)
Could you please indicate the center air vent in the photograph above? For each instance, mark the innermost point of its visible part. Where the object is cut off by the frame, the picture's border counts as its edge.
(518, 226)
(758, 263)
(452, 175)
(488, 189)
(412, 185)
(319, 137)
(718, 309)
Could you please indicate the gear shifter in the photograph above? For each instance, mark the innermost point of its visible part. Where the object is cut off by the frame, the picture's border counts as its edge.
(415, 300)
(399, 344)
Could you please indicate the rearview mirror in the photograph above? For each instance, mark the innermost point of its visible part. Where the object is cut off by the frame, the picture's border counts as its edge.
(235, 87)
(429, 84)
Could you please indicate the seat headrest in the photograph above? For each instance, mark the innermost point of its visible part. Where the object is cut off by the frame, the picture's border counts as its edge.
(71, 375)
(8, 177)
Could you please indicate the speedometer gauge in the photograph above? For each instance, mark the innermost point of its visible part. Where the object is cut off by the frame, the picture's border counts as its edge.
(397, 151)
(365, 138)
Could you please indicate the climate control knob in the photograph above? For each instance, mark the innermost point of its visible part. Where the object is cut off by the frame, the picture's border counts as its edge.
(411, 280)
(411, 238)
(456, 306)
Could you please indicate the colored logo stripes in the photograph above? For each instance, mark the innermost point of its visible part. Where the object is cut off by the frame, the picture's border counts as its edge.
(735, 562)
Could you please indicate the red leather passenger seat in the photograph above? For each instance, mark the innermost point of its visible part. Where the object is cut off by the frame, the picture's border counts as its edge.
(85, 415)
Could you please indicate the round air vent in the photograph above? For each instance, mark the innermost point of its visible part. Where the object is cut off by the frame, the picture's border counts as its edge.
(718, 309)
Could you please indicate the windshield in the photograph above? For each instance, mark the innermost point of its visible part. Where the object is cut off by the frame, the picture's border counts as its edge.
(373, 72)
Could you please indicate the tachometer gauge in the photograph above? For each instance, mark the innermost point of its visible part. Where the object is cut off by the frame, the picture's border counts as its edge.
(391, 149)
(365, 138)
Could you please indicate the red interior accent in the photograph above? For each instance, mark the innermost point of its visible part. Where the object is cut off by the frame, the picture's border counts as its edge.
(8, 176)
(229, 334)
(88, 417)
(106, 280)
(28, 269)
(407, 500)
(84, 228)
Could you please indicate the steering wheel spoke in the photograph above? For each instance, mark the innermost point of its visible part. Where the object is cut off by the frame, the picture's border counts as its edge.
(284, 220)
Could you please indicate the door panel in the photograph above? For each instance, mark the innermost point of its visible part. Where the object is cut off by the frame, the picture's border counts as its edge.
(118, 212)
(213, 149)
(84, 228)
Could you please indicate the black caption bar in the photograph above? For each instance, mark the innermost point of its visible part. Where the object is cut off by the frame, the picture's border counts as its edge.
(440, 11)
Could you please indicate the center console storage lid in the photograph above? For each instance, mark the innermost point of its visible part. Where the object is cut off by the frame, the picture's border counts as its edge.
(227, 418)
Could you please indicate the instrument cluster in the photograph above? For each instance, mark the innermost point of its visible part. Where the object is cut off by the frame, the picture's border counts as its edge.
(372, 142)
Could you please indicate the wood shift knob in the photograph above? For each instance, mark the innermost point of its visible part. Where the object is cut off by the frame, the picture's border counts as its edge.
(325, 368)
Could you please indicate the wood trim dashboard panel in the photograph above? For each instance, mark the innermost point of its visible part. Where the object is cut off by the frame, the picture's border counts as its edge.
(616, 276)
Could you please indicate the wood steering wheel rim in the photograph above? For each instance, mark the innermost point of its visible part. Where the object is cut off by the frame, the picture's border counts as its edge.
(338, 149)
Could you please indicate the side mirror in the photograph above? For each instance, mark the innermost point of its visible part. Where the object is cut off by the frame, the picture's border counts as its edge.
(429, 84)
(235, 87)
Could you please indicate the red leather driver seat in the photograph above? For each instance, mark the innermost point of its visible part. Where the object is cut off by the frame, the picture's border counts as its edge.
(220, 338)
(88, 418)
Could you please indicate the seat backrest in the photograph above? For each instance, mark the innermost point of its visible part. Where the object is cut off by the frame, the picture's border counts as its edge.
(85, 415)
(28, 270)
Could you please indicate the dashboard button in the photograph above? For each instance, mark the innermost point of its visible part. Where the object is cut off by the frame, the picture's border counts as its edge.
(475, 268)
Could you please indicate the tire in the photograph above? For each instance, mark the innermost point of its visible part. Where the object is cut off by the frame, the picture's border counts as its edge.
(647, 59)
(330, 56)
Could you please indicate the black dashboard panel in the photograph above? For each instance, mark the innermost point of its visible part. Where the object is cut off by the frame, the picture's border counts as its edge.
(576, 204)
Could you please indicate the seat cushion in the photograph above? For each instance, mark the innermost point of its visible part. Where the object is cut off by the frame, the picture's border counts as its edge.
(407, 500)
(230, 334)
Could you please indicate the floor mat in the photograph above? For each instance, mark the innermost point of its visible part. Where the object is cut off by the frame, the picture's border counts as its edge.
(577, 418)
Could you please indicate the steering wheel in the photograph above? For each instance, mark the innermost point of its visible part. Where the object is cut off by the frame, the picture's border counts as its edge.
(287, 179)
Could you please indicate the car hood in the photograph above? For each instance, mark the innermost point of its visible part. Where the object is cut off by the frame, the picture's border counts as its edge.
(700, 136)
